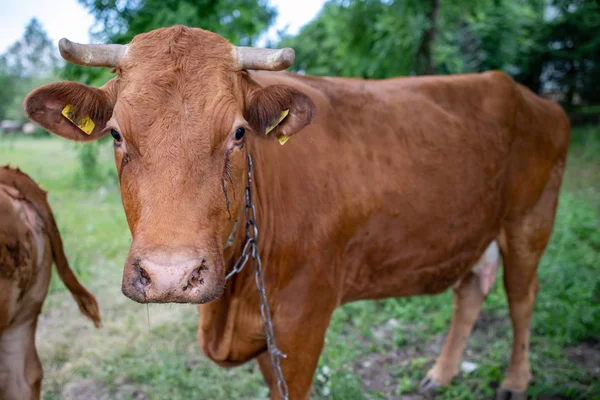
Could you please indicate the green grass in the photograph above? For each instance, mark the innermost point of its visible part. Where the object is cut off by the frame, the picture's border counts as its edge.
(374, 349)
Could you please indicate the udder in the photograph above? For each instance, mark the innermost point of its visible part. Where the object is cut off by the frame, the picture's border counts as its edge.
(487, 268)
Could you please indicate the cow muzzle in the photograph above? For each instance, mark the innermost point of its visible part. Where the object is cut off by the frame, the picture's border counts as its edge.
(171, 279)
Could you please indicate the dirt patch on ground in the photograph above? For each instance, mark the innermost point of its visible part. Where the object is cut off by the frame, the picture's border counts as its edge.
(488, 323)
(377, 372)
(586, 354)
(89, 389)
(380, 371)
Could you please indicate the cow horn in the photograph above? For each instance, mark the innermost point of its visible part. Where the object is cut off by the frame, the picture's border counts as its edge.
(265, 59)
(92, 55)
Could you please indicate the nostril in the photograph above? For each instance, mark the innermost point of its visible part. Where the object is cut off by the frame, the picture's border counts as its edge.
(144, 277)
(195, 280)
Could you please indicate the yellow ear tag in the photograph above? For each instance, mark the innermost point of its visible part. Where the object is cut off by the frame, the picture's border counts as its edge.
(85, 124)
(282, 139)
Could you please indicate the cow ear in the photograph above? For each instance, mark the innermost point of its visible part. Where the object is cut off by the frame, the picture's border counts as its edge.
(69, 109)
(279, 111)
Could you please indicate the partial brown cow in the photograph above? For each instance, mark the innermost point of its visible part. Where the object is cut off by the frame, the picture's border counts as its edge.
(29, 243)
(387, 188)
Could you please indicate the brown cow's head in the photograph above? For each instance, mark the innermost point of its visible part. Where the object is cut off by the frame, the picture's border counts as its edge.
(183, 113)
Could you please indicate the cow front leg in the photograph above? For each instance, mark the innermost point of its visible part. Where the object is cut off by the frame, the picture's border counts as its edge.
(266, 368)
(302, 341)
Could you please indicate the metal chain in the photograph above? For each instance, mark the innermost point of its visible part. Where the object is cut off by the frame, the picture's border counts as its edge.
(250, 251)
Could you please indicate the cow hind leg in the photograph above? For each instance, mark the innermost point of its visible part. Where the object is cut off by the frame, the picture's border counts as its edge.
(468, 299)
(524, 241)
(469, 295)
(34, 371)
(20, 367)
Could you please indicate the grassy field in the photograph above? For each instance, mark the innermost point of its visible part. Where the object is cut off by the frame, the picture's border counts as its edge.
(374, 350)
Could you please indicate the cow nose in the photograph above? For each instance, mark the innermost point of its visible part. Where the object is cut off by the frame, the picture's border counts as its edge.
(156, 280)
(144, 277)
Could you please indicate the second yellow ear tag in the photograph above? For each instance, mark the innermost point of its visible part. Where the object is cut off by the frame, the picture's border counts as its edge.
(282, 139)
(85, 123)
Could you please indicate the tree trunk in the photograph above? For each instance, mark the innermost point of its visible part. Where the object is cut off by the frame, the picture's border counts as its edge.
(425, 64)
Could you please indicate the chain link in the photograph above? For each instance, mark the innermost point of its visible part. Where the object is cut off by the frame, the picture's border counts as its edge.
(250, 251)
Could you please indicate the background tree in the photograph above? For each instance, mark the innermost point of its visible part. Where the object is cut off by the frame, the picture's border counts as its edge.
(572, 57)
(545, 44)
(33, 55)
(424, 62)
(8, 89)
(28, 63)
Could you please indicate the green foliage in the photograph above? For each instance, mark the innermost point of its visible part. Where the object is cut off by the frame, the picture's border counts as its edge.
(377, 39)
(369, 39)
(545, 44)
(574, 49)
(240, 20)
(488, 35)
(572, 314)
(9, 89)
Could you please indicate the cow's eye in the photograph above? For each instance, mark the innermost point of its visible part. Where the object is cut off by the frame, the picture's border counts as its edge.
(116, 135)
(239, 134)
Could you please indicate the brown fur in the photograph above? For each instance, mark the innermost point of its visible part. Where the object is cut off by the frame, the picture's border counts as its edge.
(396, 188)
(28, 230)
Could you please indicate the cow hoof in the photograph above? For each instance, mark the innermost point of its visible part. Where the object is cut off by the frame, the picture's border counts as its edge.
(507, 394)
(429, 385)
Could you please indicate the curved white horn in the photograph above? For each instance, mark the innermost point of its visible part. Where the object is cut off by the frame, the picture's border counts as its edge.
(92, 55)
(265, 59)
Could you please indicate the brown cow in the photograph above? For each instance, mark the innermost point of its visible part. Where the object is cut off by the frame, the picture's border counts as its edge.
(390, 188)
(29, 243)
